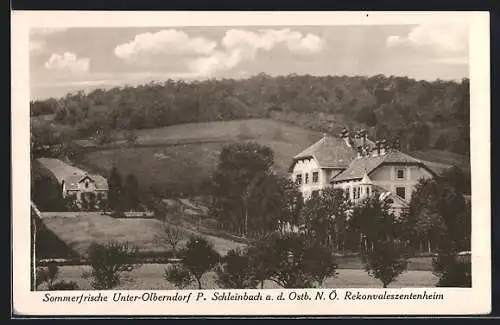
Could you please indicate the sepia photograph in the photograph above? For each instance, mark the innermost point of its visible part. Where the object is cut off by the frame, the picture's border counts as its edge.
(251, 157)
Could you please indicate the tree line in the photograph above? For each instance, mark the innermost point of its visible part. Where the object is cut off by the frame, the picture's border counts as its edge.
(421, 114)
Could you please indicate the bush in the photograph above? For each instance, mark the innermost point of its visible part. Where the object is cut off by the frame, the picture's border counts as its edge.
(107, 262)
(64, 285)
(49, 275)
(451, 271)
(235, 271)
(292, 261)
(198, 257)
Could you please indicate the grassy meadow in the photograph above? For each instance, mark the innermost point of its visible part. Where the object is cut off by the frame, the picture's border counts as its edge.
(162, 157)
(148, 235)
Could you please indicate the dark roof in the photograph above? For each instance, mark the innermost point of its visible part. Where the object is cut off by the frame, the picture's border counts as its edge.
(359, 166)
(71, 175)
(329, 152)
(72, 181)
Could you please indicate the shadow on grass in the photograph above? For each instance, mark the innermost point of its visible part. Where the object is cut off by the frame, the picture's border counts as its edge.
(49, 245)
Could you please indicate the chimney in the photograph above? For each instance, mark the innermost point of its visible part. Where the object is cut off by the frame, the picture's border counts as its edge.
(360, 152)
(345, 136)
(356, 139)
(383, 147)
(362, 134)
(396, 144)
(376, 150)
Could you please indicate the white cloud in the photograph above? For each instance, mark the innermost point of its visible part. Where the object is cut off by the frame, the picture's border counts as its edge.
(68, 62)
(267, 40)
(203, 57)
(239, 46)
(438, 39)
(163, 43)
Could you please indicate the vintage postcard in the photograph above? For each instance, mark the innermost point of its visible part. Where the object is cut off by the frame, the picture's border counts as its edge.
(250, 163)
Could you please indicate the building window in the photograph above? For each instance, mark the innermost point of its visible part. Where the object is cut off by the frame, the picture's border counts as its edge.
(307, 178)
(401, 192)
(298, 179)
(86, 184)
(315, 177)
(356, 192)
(400, 173)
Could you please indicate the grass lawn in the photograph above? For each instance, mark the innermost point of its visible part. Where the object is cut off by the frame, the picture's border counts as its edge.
(80, 231)
(178, 165)
(150, 277)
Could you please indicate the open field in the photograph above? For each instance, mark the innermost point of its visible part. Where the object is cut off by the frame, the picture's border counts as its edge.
(180, 157)
(146, 234)
(175, 165)
(150, 276)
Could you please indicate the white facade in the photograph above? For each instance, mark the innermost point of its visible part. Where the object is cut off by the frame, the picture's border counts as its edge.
(310, 177)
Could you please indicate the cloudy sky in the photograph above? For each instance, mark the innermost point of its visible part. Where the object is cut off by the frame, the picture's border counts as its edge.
(65, 60)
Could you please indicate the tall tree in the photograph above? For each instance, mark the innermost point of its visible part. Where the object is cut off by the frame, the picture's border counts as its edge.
(292, 206)
(293, 260)
(107, 262)
(382, 257)
(131, 192)
(235, 271)
(197, 258)
(325, 216)
(115, 190)
(439, 212)
(241, 166)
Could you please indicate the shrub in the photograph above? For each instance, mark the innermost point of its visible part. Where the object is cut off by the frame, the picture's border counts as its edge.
(107, 262)
(235, 271)
(197, 258)
(49, 276)
(451, 271)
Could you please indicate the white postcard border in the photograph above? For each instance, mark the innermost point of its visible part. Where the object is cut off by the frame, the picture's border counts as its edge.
(475, 300)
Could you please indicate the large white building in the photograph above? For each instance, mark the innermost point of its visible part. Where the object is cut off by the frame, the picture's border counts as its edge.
(360, 167)
(313, 168)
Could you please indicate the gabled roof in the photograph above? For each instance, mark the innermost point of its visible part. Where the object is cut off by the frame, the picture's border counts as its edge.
(71, 175)
(72, 181)
(366, 180)
(60, 169)
(329, 152)
(368, 164)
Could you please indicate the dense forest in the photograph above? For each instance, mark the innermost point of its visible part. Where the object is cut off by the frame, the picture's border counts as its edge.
(421, 114)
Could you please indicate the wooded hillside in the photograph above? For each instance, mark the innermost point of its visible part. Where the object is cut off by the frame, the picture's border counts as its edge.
(423, 115)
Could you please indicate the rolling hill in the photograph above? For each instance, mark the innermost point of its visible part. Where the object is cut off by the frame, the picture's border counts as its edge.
(177, 159)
